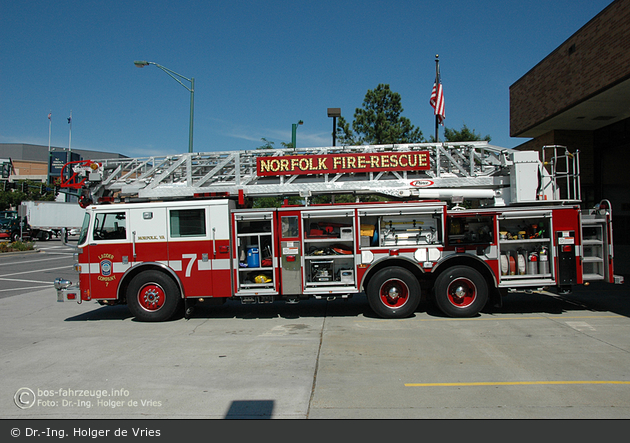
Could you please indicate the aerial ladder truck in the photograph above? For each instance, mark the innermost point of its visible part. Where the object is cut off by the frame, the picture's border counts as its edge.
(462, 223)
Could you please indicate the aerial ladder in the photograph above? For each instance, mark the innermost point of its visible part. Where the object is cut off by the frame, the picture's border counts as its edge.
(452, 171)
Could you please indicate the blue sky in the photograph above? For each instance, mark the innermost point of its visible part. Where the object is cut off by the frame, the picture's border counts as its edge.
(260, 66)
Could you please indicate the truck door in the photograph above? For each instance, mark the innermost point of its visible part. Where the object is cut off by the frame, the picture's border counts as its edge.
(198, 249)
(110, 253)
(148, 234)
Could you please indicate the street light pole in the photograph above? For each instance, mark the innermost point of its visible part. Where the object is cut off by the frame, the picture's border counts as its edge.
(334, 113)
(294, 133)
(175, 76)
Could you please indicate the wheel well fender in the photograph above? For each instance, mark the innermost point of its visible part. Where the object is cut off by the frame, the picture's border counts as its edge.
(146, 266)
(387, 262)
(473, 262)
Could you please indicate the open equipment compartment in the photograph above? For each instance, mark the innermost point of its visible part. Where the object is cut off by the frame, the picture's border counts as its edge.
(329, 249)
(256, 268)
(526, 255)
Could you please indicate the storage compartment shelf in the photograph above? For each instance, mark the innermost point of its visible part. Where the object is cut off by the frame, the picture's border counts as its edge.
(593, 259)
(525, 277)
(590, 242)
(527, 282)
(524, 240)
(328, 240)
(328, 283)
(591, 277)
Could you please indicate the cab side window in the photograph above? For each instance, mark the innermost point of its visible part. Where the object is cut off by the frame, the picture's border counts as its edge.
(188, 222)
(110, 226)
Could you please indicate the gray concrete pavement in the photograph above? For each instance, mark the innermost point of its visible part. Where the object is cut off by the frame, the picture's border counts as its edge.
(319, 360)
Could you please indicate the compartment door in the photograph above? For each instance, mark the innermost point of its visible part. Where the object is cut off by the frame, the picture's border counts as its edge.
(290, 253)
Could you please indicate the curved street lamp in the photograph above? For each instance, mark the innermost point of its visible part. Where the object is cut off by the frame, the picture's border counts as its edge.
(191, 89)
(294, 131)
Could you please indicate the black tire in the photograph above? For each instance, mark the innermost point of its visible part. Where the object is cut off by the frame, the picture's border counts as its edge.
(44, 236)
(393, 292)
(15, 236)
(153, 296)
(461, 291)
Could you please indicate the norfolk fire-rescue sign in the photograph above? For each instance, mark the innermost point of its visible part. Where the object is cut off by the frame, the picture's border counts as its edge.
(343, 163)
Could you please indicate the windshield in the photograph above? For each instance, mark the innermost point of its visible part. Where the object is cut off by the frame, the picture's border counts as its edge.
(84, 229)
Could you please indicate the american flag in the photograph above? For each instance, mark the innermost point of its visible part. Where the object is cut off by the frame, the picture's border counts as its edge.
(437, 100)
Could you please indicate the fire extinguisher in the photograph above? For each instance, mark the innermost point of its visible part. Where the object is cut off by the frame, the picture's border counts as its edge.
(532, 263)
(543, 262)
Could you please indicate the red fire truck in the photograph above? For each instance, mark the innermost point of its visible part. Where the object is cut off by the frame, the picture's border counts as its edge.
(465, 223)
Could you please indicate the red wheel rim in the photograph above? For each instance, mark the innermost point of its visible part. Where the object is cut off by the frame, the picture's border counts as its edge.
(462, 292)
(394, 293)
(151, 297)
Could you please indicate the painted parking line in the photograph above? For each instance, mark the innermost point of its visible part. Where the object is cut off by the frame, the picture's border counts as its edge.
(21, 280)
(580, 326)
(12, 263)
(22, 289)
(520, 383)
(35, 270)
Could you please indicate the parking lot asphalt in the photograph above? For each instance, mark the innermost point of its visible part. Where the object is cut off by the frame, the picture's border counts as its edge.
(539, 356)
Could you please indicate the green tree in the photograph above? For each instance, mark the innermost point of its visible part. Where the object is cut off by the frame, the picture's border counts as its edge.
(380, 121)
(463, 135)
(26, 190)
(267, 144)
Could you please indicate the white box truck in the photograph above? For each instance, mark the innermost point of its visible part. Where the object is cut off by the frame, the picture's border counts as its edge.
(48, 218)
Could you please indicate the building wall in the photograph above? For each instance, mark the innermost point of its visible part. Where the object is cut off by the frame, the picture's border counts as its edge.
(30, 168)
(594, 58)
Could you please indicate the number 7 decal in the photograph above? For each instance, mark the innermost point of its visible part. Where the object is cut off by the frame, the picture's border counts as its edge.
(193, 259)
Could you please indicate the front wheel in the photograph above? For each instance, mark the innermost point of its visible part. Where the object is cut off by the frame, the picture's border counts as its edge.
(393, 293)
(461, 291)
(153, 296)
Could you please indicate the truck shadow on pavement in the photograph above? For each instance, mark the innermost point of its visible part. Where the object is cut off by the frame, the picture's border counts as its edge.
(597, 297)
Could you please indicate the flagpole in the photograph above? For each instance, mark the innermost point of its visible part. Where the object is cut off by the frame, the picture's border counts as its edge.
(437, 75)
(70, 137)
(49, 128)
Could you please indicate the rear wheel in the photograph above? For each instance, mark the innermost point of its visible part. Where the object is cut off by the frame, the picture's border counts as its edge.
(461, 291)
(393, 293)
(153, 296)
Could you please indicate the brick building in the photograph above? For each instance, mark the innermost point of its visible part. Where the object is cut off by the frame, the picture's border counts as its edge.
(579, 97)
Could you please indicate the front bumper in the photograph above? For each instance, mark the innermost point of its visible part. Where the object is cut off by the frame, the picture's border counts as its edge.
(66, 291)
